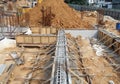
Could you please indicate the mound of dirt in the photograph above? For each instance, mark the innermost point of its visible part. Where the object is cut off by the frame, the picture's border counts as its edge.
(64, 16)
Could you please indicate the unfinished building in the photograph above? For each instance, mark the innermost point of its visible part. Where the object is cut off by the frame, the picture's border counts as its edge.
(58, 45)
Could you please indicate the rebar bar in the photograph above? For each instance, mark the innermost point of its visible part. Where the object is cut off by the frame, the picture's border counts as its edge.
(60, 68)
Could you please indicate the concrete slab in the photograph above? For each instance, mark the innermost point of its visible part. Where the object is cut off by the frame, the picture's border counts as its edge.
(83, 33)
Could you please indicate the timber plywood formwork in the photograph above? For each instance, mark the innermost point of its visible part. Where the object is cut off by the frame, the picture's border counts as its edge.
(105, 37)
(117, 47)
(110, 40)
(43, 30)
(35, 40)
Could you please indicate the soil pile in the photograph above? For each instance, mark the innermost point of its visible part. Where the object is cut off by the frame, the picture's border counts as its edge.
(64, 16)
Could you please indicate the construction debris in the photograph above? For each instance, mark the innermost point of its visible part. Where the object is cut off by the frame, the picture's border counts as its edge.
(16, 58)
(45, 54)
(93, 64)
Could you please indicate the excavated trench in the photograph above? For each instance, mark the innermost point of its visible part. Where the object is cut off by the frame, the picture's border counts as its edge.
(95, 63)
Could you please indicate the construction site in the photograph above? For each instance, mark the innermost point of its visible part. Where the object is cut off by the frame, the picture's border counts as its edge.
(57, 43)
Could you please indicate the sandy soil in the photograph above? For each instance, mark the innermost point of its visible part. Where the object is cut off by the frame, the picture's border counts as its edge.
(109, 22)
(64, 16)
(19, 74)
(96, 66)
(39, 75)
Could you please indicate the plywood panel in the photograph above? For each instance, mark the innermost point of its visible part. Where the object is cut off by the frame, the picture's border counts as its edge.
(36, 40)
(33, 40)
(104, 35)
(99, 35)
(20, 39)
(52, 39)
(44, 39)
(48, 30)
(43, 30)
(116, 46)
(35, 31)
(53, 30)
(110, 40)
(28, 39)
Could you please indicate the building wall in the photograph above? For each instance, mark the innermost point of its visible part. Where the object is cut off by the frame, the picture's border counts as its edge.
(96, 1)
(116, 4)
(83, 33)
(114, 1)
(100, 3)
(116, 7)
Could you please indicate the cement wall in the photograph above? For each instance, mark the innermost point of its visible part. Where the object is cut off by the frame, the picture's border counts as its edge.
(83, 33)
(109, 38)
(35, 39)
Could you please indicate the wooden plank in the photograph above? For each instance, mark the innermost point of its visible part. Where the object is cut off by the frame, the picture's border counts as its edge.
(109, 40)
(99, 35)
(105, 38)
(53, 30)
(116, 46)
(44, 39)
(35, 39)
(77, 76)
(38, 45)
(52, 39)
(20, 39)
(48, 30)
(35, 30)
(28, 39)
(43, 30)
